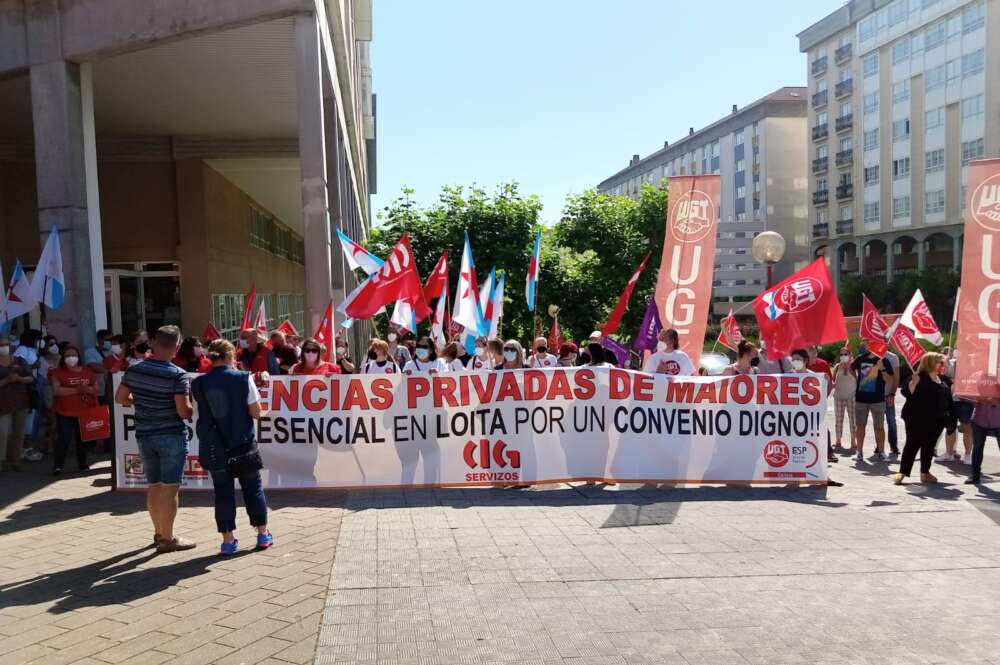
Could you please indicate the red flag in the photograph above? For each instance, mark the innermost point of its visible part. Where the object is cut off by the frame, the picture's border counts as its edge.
(324, 334)
(555, 337)
(874, 329)
(800, 310)
(906, 343)
(261, 322)
(248, 308)
(616, 316)
(729, 333)
(288, 329)
(397, 280)
(211, 333)
(438, 280)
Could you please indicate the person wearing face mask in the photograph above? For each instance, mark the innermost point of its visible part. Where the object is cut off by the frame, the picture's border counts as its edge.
(398, 352)
(191, 356)
(15, 401)
(844, 386)
(482, 360)
(927, 412)
(513, 355)
(45, 418)
(568, 353)
(871, 373)
(312, 363)
(669, 359)
(746, 353)
(75, 389)
(283, 351)
(256, 358)
(382, 363)
(541, 358)
(342, 359)
(426, 361)
(800, 365)
(93, 359)
(449, 356)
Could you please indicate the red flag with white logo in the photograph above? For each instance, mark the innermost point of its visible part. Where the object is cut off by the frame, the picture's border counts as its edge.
(438, 280)
(287, 329)
(324, 334)
(396, 280)
(616, 316)
(917, 317)
(906, 343)
(874, 329)
(800, 310)
(729, 333)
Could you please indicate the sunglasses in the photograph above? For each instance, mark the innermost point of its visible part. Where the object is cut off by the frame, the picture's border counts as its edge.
(424, 347)
(310, 350)
(509, 348)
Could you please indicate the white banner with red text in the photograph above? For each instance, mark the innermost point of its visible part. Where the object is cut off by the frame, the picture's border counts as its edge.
(525, 427)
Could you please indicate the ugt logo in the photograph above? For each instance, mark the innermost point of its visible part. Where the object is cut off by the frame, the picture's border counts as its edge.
(497, 454)
(776, 453)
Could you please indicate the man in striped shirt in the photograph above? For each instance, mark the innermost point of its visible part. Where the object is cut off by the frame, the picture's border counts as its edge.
(159, 391)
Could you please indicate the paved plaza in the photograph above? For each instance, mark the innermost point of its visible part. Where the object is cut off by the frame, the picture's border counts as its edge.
(867, 573)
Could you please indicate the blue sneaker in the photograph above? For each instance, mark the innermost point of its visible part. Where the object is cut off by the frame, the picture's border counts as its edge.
(264, 540)
(229, 549)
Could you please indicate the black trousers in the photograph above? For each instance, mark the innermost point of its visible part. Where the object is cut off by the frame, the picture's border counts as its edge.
(919, 437)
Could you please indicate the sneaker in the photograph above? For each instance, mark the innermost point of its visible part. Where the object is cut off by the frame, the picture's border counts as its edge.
(32, 455)
(943, 457)
(967, 460)
(229, 549)
(880, 457)
(264, 540)
(894, 455)
(175, 544)
(897, 478)
(860, 457)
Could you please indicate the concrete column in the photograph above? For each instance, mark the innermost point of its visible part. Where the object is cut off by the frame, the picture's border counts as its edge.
(889, 260)
(312, 163)
(921, 254)
(861, 256)
(334, 193)
(63, 117)
(956, 252)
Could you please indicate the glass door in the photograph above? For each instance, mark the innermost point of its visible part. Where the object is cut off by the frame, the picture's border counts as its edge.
(124, 297)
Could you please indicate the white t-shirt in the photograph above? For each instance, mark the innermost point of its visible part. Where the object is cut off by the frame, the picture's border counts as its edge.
(678, 363)
(484, 364)
(543, 360)
(385, 367)
(435, 366)
(455, 365)
(254, 395)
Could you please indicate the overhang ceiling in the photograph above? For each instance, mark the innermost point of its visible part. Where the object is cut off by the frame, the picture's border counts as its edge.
(274, 182)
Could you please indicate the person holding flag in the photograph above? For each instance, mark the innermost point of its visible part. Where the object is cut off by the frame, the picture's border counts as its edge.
(926, 414)
(870, 372)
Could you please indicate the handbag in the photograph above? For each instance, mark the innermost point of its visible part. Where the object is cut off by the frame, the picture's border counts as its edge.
(95, 423)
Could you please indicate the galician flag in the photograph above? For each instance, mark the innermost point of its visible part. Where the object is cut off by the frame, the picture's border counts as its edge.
(357, 256)
(486, 298)
(467, 311)
(48, 286)
(19, 300)
(404, 317)
(531, 283)
(496, 307)
(437, 323)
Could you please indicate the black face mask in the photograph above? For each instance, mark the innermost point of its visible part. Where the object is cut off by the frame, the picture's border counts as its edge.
(543, 349)
(372, 355)
(755, 361)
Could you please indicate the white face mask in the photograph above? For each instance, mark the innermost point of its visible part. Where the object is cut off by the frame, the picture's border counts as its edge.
(53, 349)
(244, 344)
(392, 337)
(72, 361)
(341, 350)
(480, 352)
(661, 346)
(797, 364)
(844, 358)
(116, 349)
(4, 350)
(423, 354)
(510, 356)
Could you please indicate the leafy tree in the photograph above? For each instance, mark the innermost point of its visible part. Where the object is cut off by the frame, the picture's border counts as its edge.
(937, 286)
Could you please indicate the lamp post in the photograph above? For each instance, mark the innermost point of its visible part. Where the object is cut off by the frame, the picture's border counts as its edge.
(768, 248)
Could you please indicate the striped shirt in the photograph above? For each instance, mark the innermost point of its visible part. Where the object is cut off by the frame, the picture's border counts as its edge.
(154, 383)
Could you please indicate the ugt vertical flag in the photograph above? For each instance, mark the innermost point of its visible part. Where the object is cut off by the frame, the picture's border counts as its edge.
(800, 310)
(684, 286)
(48, 286)
(616, 316)
(977, 372)
(531, 283)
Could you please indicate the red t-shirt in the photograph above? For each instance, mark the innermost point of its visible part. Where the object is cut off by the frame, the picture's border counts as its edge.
(820, 366)
(115, 364)
(321, 369)
(73, 405)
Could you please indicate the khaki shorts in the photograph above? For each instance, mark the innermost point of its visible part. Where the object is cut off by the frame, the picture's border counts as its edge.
(861, 411)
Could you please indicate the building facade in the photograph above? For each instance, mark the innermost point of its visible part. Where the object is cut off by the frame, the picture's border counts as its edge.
(760, 154)
(185, 155)
(900, 94)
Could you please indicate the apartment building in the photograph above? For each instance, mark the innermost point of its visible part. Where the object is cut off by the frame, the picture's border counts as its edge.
(185, 152)
(899, 101)
(760, 152)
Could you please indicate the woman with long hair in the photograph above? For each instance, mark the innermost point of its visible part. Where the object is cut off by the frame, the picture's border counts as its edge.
(425, 360)
(191, 356)
(926, 414)
(746, 353)
(312, 361)
(75, 390)
(513, 355)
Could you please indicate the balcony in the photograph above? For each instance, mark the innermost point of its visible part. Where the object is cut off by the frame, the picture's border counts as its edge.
(821, 196)
(845, 158)
(845, 227)
(821, 164)
(820, 131)
(845, 122)
(819, 66)
(820, 99)
(843, 53)
(821, 230)
(845, 191)
(844, 88)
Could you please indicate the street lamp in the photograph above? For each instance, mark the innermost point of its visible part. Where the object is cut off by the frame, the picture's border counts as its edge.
(768, 248)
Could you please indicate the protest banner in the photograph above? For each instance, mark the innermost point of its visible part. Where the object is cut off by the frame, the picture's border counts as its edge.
(530, 426)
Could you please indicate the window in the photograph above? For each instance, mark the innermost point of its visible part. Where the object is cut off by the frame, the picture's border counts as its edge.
(821, 118)
(821, 184)
(738, 137)
(821, 85)
(916, 42)
(741, 192)
(972, 106)
(901, 51)
(901, 168)
(866, 28)
(822, 216)
(934, 118)
(741, 165)
(897, 12)
(934, 78)
(901, 129)
(847, 108)
(845, 74)
(954, 25)
(972, 63)
(972, 150)
(927, 4)
(934, 35)
(934, 202)
(846, 144)
(953, 69)
(846, 213)
(900, 207)
(844, 40)
(901, 91)
(821, 152)
(871, 102)
(871, 214)
(869, 66)
(871, 139)
(974, 17)
(934, 160)
(871, 175)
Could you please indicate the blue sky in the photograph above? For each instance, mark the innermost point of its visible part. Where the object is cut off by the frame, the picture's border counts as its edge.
(558, 94)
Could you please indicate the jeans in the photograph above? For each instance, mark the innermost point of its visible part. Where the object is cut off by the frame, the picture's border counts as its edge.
(12, 435)
(979, 435)
(164, 457)
(68, 428)
(890, 424)
(225, 499)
